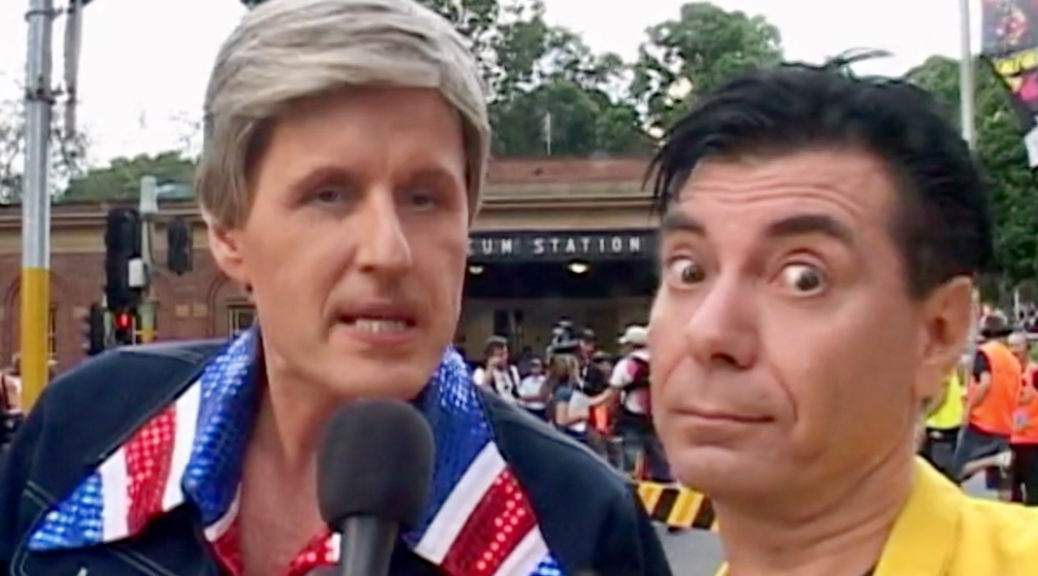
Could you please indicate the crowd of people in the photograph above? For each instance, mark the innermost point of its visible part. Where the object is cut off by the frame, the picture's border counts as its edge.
(595, 398)
(986, 421)
(11, 414)
(804, 211)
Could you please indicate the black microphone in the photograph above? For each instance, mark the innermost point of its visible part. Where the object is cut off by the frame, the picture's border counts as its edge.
(373, 472)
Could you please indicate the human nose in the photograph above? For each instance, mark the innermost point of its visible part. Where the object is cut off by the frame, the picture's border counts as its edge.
(383, 247)
(723, 328)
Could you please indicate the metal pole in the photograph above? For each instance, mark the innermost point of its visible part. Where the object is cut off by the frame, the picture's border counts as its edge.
(148, 207)
(967, 82)
(35, 279)
(967, 107)
(73, 43)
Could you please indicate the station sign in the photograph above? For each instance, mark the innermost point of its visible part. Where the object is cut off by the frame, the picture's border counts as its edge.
(532, 246)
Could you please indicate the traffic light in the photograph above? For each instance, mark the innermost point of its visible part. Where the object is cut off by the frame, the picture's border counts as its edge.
(95, 330)
(122, 245)
(179, 246)
(123, 328)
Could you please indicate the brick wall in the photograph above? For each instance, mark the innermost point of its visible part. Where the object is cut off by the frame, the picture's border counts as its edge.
(189, 306)
(196, 304)
(566, 170)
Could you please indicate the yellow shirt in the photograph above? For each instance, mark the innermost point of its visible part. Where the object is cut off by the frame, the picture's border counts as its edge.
(950, 413)
(944, 532)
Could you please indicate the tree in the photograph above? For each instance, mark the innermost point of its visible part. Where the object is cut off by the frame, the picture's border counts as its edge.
(67, 152)
(692, 55)
(478, 21)
(120, 180)
(1001, 152)
(12, 142)
(534, 71)
(555, 86)
(551, 81)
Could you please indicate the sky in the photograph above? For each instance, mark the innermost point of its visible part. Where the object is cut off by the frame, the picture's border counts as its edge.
(145, 63)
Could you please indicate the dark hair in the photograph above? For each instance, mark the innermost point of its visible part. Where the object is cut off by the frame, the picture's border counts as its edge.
(995, 326)
(494, 344)
(943, 222)
(564, 338)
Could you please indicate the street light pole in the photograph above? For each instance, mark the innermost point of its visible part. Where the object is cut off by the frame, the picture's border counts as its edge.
(967, 111)
(148, 208)
(35, 278)
(967, 81)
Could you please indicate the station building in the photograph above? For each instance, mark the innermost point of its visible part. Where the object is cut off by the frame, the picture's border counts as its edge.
(555, 238)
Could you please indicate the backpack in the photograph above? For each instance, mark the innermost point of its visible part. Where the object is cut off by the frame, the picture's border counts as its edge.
(641, 374)
(640, 381)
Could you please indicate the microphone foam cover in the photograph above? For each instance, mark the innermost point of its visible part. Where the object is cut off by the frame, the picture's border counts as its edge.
(375, 459)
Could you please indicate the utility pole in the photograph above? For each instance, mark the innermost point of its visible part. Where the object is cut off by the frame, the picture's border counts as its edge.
(148, 208)
(967, 107)
(547, 133)
(35, 278)
(967, 82)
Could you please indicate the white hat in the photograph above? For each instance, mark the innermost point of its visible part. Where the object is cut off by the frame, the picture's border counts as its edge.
(635, 336)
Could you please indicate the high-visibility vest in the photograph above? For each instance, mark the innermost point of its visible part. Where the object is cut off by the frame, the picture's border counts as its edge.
(600, 419)
(949, 414)
(1025, 418)
(994, 414)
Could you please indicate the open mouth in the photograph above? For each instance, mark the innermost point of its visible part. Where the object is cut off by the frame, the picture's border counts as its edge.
(379, 324)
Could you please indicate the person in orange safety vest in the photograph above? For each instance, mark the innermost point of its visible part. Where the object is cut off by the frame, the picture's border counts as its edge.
(1024, 440)
(991, 401)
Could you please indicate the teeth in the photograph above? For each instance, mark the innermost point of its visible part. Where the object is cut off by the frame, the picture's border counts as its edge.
(379, 325)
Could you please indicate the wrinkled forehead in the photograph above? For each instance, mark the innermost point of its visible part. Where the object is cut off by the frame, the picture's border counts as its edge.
(845, 185)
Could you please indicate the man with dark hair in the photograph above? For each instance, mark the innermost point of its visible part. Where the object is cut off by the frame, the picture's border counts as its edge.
(497, 372)
(990, 406)
(818, 248)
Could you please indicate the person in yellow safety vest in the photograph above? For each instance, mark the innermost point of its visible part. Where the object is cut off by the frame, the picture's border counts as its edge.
(943, 424)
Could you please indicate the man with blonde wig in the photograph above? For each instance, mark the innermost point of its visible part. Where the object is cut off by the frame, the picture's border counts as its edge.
(346, 146)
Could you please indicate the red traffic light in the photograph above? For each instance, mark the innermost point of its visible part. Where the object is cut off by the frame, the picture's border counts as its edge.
(123, 321)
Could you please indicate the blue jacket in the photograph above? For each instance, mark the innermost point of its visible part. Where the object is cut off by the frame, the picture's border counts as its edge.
(587, 515)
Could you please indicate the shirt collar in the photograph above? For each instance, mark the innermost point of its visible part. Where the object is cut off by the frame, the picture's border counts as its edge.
(924, 533)
(192, 451)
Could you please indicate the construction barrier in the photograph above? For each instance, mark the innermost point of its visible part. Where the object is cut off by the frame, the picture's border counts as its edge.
(675, 506)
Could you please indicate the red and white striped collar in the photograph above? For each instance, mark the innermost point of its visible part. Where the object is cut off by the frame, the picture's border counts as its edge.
(477, 520)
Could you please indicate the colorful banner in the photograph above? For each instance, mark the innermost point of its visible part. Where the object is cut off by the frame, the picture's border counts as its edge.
(1010, 44)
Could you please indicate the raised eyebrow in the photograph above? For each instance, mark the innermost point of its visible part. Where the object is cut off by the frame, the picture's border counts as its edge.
(806, 224)
(679, 222)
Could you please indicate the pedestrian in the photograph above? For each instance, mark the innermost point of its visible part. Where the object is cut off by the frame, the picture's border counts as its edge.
(820, 239)
(943, 423)
(629, 386)
(569, 408)
(11, 415)
(991, 401)
(1024, 440)
(533, 391)
(498, 373)
(345, 149)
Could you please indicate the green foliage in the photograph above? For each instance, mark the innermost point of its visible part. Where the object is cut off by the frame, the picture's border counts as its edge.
(695, 53)
(1000, 150)
(535, 71)
(121, 179)
(67, 153)
(598, 104)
